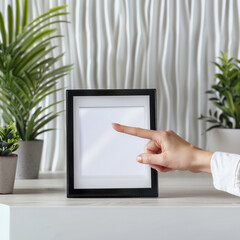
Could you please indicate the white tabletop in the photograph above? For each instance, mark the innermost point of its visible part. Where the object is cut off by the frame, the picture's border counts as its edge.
(175, 189)
(40, 206)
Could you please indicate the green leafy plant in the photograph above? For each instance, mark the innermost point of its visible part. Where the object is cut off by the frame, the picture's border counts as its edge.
(225, 95)
(28, 72)
(8, 139)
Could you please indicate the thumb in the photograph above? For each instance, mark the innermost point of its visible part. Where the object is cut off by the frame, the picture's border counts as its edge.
(146, 158)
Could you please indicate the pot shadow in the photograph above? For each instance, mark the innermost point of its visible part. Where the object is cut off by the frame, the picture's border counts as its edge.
(24, 191)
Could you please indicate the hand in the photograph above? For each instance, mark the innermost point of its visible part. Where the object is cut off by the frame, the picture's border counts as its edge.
(166, 151)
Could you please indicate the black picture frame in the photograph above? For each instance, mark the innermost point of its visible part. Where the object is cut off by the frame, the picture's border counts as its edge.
(113, 192)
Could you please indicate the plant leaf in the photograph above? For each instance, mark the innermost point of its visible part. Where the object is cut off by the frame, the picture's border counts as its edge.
(17, 18)
(10, 24)
(3, 30)
(43, 123)
(25, 14)
(50, 11)
(214, 126)
(43, 131)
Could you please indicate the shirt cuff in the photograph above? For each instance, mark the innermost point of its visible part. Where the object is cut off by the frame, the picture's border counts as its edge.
(225, 169)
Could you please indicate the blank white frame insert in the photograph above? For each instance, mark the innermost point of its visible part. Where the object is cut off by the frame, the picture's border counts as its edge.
(104, 158)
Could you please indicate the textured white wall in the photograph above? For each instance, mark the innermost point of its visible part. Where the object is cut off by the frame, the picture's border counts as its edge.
(167, 44)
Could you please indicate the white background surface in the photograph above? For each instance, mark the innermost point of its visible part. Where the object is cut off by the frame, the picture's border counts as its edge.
(104, 158)
(167, 44)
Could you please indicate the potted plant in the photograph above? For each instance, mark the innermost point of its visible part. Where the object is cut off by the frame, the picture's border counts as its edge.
(28, 75)
(225, 95)
(8, 161)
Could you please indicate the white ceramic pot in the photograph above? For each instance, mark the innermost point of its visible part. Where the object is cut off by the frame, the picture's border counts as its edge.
(7, 173)
(29, 158)
(224, 140)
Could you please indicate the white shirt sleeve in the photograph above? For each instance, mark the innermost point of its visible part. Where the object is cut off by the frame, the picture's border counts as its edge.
(225, 169)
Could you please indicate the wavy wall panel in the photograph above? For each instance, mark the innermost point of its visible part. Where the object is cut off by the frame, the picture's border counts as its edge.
(167, 44)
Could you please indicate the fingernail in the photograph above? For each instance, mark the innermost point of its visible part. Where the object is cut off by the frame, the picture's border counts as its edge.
(139, 159)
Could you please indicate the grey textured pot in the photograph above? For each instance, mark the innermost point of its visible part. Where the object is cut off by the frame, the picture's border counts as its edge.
(29, 158)
(7, 173)
(224, 140)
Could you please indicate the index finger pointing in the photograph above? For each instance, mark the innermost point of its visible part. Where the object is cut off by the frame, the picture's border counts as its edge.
(138, 132)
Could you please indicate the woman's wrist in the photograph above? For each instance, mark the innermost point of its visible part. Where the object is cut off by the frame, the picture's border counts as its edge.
(202, 160)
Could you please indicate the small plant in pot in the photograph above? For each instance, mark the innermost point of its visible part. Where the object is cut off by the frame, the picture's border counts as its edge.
(29, 75)
(8, 161)
(224, 129)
